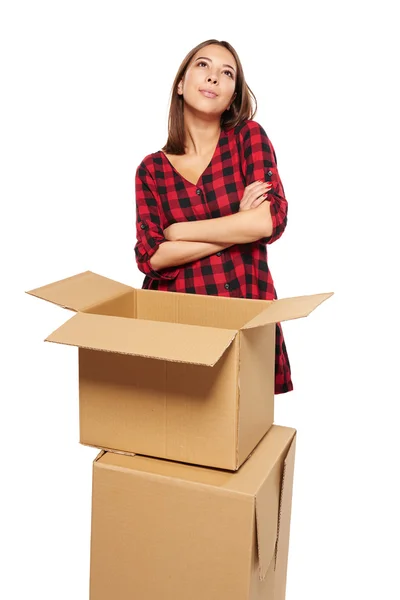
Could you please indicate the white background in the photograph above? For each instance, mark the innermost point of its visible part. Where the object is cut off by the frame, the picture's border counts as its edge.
(85, 93)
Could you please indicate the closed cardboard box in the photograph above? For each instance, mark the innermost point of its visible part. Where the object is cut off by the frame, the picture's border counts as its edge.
(173, 531)
(185, 377)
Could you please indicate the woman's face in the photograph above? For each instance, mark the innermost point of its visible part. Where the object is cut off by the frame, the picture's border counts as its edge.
(212, 68)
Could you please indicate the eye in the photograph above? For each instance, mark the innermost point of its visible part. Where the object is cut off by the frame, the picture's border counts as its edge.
(201, 62)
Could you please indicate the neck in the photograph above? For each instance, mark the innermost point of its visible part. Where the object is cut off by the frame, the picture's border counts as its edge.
(201, 136)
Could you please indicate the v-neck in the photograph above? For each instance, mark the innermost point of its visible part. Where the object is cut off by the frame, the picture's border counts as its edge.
(221, 134)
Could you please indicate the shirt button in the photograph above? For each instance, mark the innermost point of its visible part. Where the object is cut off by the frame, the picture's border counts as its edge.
(269, 173)
(227, 286)
(143, 226)
(198, 191)
(219, 253)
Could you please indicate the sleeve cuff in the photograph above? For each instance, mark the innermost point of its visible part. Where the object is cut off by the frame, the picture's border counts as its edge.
(169, 273)
(163, 274)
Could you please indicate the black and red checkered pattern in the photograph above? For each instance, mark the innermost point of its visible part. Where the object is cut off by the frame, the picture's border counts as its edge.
(243, 155)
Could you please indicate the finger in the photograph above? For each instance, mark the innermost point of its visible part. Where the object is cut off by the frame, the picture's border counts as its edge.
(260, 194)
(246, 201)
(245, 205)
(252, 192)
(256, 184)
(257, 202)
(256, 189)
(264, 187)
(260, 200)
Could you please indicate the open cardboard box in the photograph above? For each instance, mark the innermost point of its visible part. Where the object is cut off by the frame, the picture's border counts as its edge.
(186, 377)
(173, 531)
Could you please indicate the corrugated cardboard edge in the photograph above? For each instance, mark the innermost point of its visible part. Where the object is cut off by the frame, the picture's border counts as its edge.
(267, 519)
(164, 458)
(286, 309)
(265, 556)
(53, 292)
(95, 468)
(100, 454)
(173, 479)
(237, 429)
(104, 450)
(123, 335)
(285, 509)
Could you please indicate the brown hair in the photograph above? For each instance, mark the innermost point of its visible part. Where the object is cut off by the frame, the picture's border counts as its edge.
(240, 109)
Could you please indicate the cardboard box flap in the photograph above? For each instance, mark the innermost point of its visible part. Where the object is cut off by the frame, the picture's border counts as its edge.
(285, 508)
(287, 309)
(267, 515)
(153, 339)
(81, 291)
(99, 455)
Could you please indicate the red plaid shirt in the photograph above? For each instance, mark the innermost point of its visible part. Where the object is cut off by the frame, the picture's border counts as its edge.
(163, 196)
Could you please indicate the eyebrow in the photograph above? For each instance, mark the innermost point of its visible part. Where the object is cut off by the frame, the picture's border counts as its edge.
(205, 57)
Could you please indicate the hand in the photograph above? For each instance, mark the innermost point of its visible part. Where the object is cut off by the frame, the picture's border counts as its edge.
(254, 195)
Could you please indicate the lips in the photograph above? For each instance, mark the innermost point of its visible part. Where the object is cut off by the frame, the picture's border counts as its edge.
(208, 94)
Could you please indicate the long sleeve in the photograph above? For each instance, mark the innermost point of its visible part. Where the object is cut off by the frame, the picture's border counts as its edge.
(259, 162)
(149, 233)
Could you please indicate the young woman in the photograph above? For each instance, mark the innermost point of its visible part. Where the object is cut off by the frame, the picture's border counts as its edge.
(211, 200)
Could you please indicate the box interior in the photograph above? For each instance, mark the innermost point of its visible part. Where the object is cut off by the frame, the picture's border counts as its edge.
(188, 309)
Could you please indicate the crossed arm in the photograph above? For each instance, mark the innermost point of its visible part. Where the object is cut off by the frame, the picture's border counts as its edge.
(192, 240)
(159, 253)
(238, 228)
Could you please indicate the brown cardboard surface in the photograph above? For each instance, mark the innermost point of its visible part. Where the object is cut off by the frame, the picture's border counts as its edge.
(168, 530)
(197, 309)
(187, 377)
(267, 504)
(171, 410)
(152, 339)
(282, 548)
(80, 291)
(247, 480)
(287, 309)
(124, 305)
(256, 381)
(273, 585)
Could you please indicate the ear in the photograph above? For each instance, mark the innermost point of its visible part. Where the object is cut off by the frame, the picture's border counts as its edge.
(180, 87)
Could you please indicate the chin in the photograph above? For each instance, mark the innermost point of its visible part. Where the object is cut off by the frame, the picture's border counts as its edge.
(205, 110)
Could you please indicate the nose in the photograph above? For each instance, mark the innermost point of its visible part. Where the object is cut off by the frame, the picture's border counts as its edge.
(212, 79)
